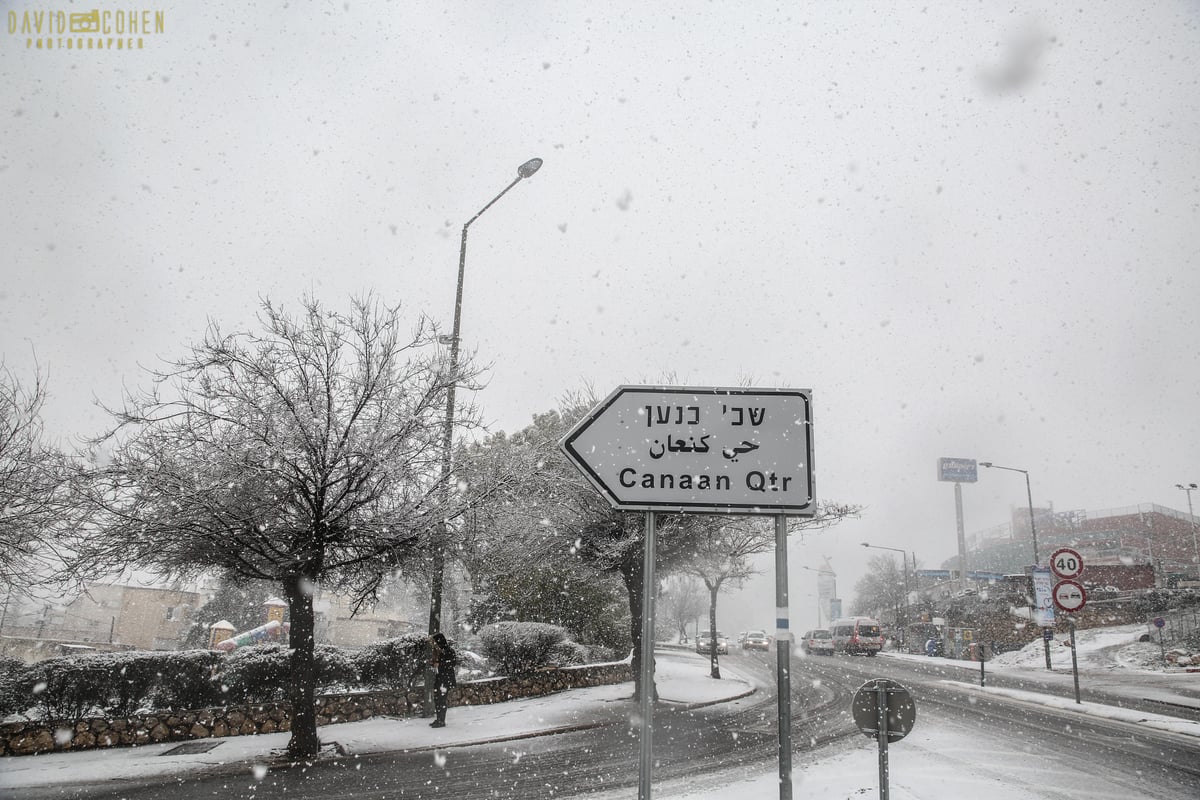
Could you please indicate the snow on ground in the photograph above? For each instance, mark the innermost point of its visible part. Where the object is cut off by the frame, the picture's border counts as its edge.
(920, 769)
(1096, 649)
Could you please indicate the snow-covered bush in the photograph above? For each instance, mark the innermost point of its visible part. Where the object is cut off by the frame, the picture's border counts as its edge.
(516, 648)
(336, 669)
(262, 673)
(393, 663)
(132, 676)
(187, 679)
(118, 684)
(257, 674)
(568, 654)
(70, 687)
(16, 694)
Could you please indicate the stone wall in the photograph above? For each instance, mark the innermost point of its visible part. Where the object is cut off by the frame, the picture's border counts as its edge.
(42, 736)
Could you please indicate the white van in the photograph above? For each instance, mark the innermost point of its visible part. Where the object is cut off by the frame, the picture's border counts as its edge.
(853, 635)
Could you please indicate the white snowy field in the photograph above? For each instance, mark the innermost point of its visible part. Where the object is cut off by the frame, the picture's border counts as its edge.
(927, 765)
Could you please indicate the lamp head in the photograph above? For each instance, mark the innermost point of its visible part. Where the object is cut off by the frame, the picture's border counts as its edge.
(985, 463)
(866, 544)
(529, 167)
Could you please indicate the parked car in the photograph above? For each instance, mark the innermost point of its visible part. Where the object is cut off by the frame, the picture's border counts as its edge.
(704, 643)
(756, 640)
(855, 635)
(818, 641)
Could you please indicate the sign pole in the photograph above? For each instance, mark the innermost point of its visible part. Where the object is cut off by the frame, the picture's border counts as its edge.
(881, 694)
(645, 762)
(783, 655)
(962, 537)
(1074, 660)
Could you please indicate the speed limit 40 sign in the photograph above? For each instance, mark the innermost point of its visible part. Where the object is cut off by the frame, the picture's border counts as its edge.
(1066, 564)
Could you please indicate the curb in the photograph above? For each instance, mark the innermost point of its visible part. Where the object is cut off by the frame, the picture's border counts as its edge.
(669, 705)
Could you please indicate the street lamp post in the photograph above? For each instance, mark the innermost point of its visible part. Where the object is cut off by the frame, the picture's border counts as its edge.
(1028, 496)
(1032, 533)
(1192, 518)
(439, 551)
(904, 561)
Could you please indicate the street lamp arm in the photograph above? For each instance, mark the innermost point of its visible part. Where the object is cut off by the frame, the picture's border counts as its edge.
(524, 171)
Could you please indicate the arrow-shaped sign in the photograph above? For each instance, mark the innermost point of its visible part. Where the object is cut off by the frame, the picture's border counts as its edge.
(718, 450)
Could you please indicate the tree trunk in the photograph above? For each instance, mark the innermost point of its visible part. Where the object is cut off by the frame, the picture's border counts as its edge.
(631, 575)
(712, 628)
(304, 743)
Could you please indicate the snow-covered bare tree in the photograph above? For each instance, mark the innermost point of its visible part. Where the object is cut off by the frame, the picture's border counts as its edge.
(305, 453)
(724, 546)
(681, 600)
(881, 591)
(35, 504)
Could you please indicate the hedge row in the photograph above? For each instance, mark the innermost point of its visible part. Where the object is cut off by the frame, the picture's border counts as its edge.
(124, 684)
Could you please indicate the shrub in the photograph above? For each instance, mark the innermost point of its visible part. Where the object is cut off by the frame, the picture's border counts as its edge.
(599, 654)
(16, 695)
(187, 679)
(261, 673)
(131, 678)
(70, 687)
(256, 674)
(516, 648)
(568, 654)
(336, 668)
(118, 684)
(393, 663)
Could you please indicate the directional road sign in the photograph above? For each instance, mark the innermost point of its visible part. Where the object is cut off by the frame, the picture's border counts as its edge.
(1066, 563)
(1069, 596)
(704, 450)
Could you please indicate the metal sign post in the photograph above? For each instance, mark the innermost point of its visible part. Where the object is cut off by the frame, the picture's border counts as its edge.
(1074, 659)
(883, 710)
(981, 649)
(783, 659)
(881, 701)
(646, 759)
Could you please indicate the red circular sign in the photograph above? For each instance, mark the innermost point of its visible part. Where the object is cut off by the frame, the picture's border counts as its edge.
(1066, 563)
(1069, 596)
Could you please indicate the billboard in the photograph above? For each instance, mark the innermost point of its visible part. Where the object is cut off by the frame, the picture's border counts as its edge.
(957, 470)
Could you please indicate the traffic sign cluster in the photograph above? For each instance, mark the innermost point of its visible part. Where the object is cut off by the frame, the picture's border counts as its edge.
(1069, 595)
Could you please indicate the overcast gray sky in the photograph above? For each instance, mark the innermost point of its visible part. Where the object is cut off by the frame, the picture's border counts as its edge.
(970, 229)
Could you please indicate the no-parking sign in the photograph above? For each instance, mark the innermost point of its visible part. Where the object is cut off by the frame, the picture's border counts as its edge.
(1069, 596)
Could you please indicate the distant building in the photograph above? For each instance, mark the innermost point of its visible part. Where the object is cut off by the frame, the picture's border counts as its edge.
(1151, 535)
(103, 617)
(337, 623)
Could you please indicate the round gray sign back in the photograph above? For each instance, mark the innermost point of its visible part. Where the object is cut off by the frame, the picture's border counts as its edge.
(901, 711)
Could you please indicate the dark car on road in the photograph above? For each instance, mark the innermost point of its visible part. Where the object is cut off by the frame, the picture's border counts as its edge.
(756, 640)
